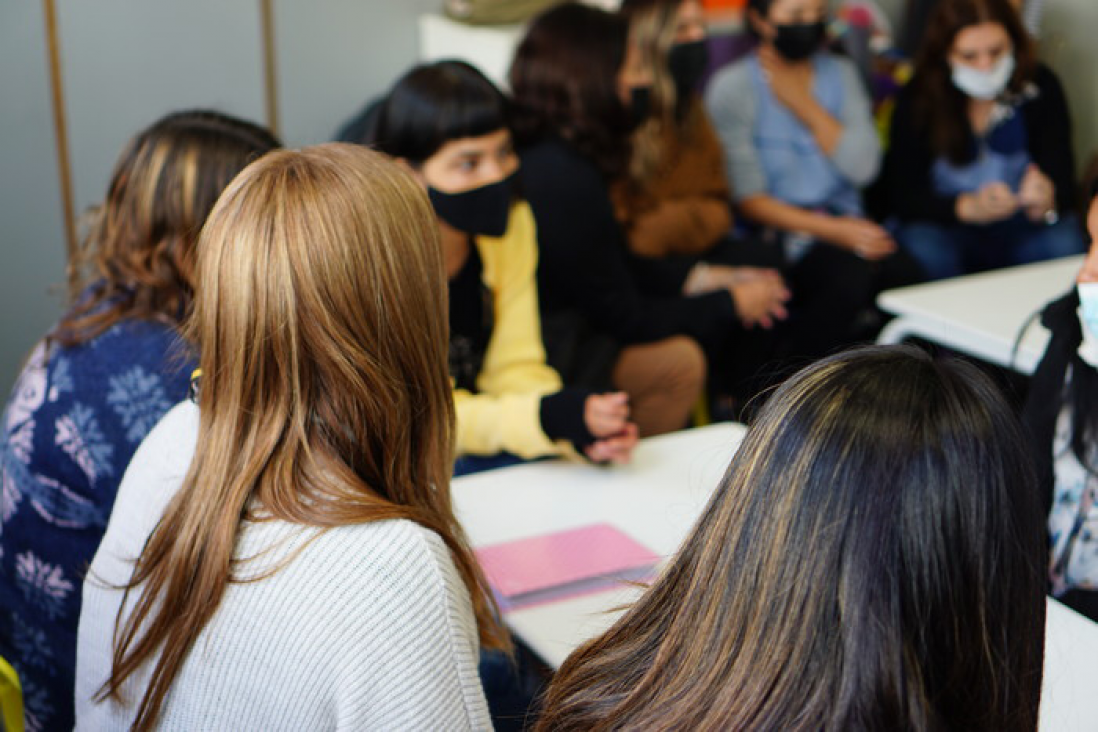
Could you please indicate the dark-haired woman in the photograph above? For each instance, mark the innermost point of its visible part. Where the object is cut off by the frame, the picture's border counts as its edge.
(1062, 414)
(980, 170)
(870, 561)
(800, 145)
(574, 86)
(448, 124)
(96, 385)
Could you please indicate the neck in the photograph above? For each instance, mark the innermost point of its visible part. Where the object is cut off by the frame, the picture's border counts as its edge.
(455, 248)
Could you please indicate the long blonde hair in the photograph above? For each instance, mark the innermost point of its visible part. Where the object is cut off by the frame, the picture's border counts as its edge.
(325, 398)
(873, 559)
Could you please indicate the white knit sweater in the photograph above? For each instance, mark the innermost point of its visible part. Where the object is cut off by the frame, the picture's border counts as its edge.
(367, 627)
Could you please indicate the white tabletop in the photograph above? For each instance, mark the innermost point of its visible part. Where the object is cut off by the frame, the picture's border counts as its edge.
(656, 500)
(983, 314)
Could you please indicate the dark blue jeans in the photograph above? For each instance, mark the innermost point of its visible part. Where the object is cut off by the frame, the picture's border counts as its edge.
(949, 251)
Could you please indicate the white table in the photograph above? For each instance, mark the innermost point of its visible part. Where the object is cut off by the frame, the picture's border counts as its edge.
(982, 315)
(656, 500)
(1069, 701)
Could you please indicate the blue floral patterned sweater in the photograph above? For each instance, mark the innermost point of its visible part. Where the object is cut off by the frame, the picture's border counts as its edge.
(74, 420)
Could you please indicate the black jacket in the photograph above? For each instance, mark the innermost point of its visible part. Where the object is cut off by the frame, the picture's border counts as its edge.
(906, 176)
(583, 264)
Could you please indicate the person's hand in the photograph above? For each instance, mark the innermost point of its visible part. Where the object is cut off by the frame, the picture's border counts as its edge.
(606, 415)
(617, 449)
(607, 418)
(760, 295)
(994, 202)
(1036, 194)
(862, 237)
(791, 83)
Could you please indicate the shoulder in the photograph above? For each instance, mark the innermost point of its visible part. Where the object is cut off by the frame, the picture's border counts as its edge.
(553, 155)
(160, 463)
(1046, 90)
(171, 443)
(385, 560)
(553, 170)
(838, 64)
(736, 77)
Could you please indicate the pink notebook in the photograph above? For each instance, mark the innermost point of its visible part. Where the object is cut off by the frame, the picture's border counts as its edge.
(563, 564)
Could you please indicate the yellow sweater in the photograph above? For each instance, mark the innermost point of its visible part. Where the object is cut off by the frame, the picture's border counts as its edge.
(504, 414)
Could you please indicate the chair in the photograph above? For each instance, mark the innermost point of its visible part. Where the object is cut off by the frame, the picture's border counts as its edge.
(11, 698)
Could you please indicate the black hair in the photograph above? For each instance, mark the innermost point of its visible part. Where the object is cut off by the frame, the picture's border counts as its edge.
(434, 104)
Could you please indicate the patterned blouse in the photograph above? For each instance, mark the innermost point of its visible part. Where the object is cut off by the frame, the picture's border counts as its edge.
(75, 418)
(1073, 520)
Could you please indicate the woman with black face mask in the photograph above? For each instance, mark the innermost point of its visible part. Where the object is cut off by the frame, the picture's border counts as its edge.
(800, 144)
(448, 124)
(672, 200)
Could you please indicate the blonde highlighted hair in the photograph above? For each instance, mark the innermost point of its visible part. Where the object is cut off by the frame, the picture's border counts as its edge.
(652, 25)
(325, 400)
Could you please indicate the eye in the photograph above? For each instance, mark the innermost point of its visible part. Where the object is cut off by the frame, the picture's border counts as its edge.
(467, 165)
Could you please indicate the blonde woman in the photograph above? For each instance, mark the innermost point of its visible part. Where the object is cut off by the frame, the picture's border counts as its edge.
(98, 382)
(298, 564)
(872, 560)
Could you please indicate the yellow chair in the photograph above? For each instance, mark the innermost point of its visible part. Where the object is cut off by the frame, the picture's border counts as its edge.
(11, 698)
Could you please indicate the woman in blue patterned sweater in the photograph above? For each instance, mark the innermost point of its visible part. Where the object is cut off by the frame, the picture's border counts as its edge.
(97, 383)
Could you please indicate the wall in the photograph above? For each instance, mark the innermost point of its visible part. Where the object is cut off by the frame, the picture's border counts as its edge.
(126, 62)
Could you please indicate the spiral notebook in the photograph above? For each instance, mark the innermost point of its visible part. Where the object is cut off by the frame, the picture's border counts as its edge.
(564, 564)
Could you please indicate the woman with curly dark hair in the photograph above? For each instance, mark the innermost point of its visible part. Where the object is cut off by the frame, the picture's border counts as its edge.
(980, 169)
(98, 382)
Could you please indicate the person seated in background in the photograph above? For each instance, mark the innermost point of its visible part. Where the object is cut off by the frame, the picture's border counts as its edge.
(448, 125)
(871, 560)
(1061, 412)
(800, 144)
(571, 81)
(672, 200)
(98, 382)
(294, 521)
(980, 170)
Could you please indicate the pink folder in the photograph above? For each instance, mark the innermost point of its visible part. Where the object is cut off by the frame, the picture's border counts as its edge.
(563, 564)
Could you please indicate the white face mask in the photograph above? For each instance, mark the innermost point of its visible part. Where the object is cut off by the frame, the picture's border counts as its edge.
(984, 84)
(1088, 318)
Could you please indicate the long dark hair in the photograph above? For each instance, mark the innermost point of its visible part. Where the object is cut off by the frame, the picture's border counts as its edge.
(940, 107)
(137, 259)
(564, 82)
(435, 103)
(872, 559)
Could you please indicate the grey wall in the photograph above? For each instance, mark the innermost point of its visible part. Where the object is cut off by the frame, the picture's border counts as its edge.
(31, 227)
(125, 63)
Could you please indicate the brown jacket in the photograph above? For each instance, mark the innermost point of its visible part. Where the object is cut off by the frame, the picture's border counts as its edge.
(684, 208)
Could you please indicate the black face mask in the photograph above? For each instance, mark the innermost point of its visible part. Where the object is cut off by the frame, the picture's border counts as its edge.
(485, 210)
(798, 41)
(687, 63)
(640, 105)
